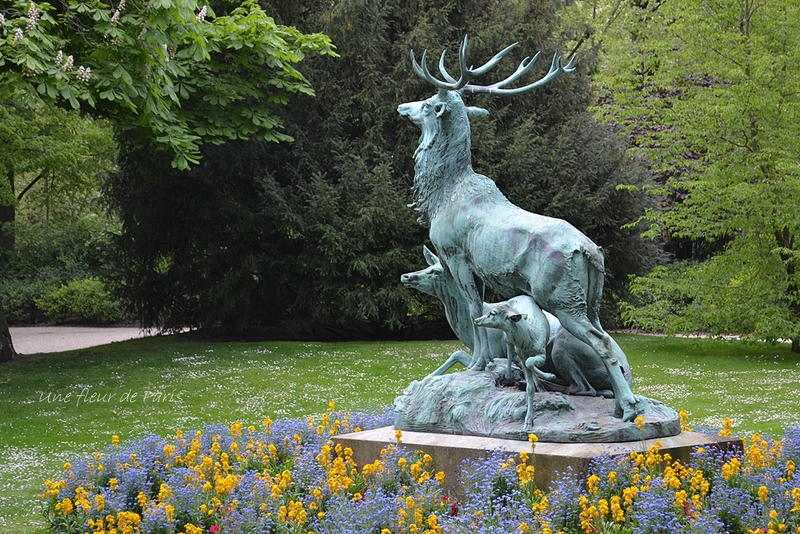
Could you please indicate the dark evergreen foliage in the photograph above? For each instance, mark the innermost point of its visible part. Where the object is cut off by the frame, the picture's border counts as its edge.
(315, 234)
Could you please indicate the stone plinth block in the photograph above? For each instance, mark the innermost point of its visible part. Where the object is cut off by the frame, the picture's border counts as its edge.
(473, 403)
(552, 460)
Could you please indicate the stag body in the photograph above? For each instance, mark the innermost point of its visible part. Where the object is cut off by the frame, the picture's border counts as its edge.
(483, 239)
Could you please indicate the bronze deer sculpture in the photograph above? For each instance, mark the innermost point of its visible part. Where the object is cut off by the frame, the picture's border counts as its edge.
(483, 239)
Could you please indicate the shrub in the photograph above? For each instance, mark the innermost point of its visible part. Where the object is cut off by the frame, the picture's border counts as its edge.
(86, 299)
(19, 298)
(45, 257)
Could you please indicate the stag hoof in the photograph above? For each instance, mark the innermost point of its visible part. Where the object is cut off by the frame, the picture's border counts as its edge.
(477, 364)
(528, 426)
(629, 409)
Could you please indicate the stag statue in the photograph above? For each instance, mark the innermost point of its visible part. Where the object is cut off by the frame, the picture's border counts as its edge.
(483, 239)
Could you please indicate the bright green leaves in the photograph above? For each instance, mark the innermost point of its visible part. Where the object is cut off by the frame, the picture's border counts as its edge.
(167, 70)
(708, 92)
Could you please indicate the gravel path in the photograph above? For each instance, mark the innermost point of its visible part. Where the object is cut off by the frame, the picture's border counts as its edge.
(35, 339)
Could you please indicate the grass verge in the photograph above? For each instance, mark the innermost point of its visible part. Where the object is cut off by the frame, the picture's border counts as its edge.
(55, 406)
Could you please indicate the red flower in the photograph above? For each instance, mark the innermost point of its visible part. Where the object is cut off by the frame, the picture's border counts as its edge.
(454, 509)
(214, 529)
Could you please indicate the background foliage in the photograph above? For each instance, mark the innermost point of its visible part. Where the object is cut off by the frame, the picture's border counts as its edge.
(708, 92)
(314, 234)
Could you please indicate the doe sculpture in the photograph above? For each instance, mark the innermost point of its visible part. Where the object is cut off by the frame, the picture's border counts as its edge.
(483, 239)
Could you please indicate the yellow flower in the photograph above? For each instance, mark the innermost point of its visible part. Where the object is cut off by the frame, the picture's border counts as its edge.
(616, 510)
(796, 498)
(398, 436)
(128, 522)
(640, 422)
(65, 507)
(602, 507)
(730, 468)
(115, 440)
(727, 428)
(684, 415)
(763, 493)
(593, 483)
(680, 499)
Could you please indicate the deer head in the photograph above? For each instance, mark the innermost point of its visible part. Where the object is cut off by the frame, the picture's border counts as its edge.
(444, 146)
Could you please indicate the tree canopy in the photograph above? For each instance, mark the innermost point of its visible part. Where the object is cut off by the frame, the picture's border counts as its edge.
(170, 75)
(710, 93)
(170, 71)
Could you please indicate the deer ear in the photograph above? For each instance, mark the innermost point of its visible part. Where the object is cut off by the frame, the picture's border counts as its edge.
(440, 108)
(430, 257)
(476, 113)
(517, 317)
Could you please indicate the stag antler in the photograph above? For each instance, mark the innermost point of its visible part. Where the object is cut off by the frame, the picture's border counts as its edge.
(467, 73)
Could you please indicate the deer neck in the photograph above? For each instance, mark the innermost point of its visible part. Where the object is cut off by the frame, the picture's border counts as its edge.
(443, 159)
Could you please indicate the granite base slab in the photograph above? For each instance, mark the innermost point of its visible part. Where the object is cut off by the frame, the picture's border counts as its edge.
(552, 460)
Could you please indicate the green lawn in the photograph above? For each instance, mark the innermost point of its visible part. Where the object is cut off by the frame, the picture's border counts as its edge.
(55, 406)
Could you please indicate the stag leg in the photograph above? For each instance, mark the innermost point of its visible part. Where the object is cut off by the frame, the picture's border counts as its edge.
(471, 288)
(627, 406)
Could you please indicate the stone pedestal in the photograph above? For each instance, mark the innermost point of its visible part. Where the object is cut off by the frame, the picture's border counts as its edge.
(550, 459)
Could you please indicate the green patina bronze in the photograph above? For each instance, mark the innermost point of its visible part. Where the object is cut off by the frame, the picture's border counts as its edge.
(482, 239)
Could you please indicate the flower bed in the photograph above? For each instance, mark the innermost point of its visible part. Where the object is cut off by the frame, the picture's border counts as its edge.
(287, 477)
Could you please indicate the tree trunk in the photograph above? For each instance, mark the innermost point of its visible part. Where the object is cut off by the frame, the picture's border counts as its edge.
(7, 352)
(796, 345)
(8, 214)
